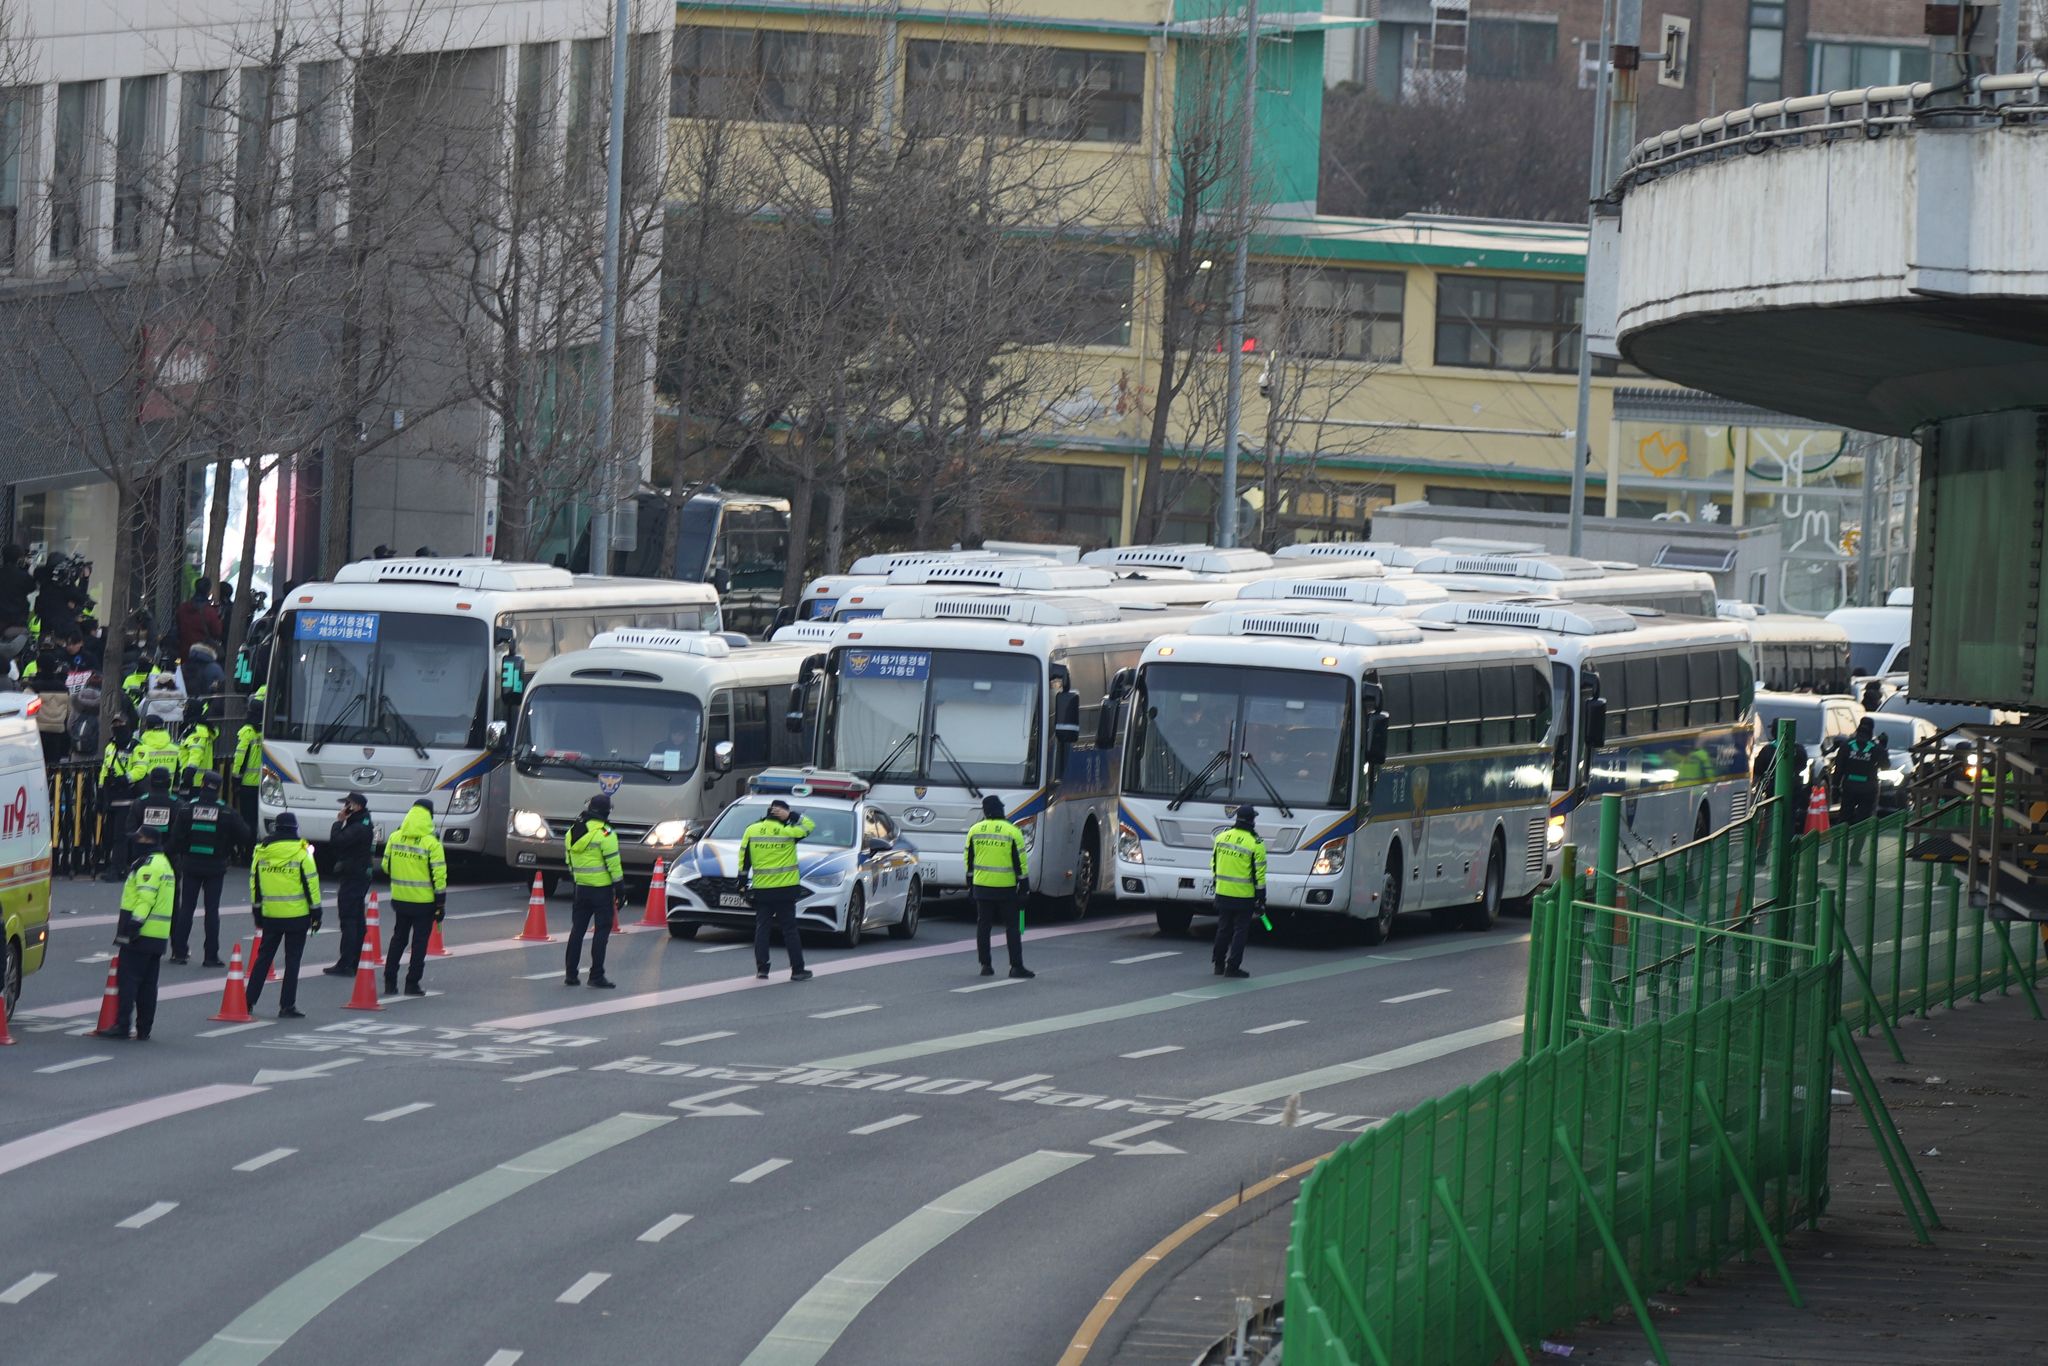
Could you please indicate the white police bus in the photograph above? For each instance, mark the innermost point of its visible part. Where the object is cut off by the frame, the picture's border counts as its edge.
(1396, 765)
(943, 700)
(1794, 653)
(820, 597)
(401, 680)
(1653, 709)
(1673, 591)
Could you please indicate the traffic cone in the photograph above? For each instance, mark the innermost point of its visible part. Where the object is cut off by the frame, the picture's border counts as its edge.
(536, 931)
(256, 951)
(234, 997)
(373, 932)
(656, 916)
(1817, 822)
(110, 998)
(435, 948)
(365, 997)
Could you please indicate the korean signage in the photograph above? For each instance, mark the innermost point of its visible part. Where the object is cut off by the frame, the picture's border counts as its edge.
(911, 665)
(177, 363)
(358, 627)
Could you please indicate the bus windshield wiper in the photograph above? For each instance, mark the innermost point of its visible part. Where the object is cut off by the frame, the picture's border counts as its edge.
(333, 728)
(561, 761)
(637, 766)
(939, 744)
(406, 734)
(1267, 783)
(874, 774)
(1195, 783)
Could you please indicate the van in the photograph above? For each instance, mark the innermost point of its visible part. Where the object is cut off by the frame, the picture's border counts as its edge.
(24, 843)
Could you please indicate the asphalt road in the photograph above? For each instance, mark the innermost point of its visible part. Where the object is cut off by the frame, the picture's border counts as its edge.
(899, 1161)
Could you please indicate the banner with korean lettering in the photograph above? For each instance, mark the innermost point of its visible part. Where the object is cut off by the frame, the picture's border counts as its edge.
(348, 627)
(909, 665)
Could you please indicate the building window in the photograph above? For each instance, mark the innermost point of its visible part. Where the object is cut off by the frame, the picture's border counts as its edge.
(1082, 503)
(775, 76)
(1192, 518)
(134, 145)
(643, 111)
(1088, 303)
(14, 122)
(1766, 52)
(1854, 66)
(1325, 314)
(1494, 323)
(255, 135)
(314, 145)
(1047, 92)
(1505, 49)
(199, 119)
(1331, 512)
(78, 105)
(533, 116)
(588, 96)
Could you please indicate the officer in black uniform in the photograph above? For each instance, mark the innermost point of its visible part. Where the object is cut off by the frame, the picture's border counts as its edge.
(1857, 761)
(206, 833)
(156, 808)
(352, 845)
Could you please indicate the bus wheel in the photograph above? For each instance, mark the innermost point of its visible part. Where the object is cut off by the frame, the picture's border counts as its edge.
(1702, 824)
(1173, 919)
(13, 977)
(1486, 911)
(1381, 925)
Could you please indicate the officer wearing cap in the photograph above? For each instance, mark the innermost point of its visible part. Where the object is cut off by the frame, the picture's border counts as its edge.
(593, 854)
(205, 832)
(284, 887)
(147, 906)
(995, 865)
(418, 869)
(768, 862)
(351, 848)
(1238, 863)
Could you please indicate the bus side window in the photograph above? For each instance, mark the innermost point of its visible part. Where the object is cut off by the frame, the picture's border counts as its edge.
(1642, 695)
(1703, 686)
(1674, 689)
(1614, 687)
(1462, 708)
(1426, 702)
(1534, 706)
(718, 721)
(786, 746)
(1498, 725)
(750, 743)
(533, 639)
(1085, 669)
(1395, 694)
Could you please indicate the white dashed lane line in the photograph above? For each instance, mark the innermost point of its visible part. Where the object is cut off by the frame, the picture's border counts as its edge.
(663, 1228)
(1153, 1052)
(1415, 996)
(1271, 1028)
(844, 1010)
(143, 1218)
(1147, 957)
(585, 1283)
(985, 986)
(544, 1072)
(697, 1038)
(879, 1125)
(724, 948)
(1016, 1083)
(504, 1357)
(77, 1063)
(755, 1173)
(385, 1116)
(226, 1030)
(263, 1160)
(26, 1286)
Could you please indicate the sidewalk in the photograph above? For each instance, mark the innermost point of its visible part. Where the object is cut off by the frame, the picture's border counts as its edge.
(1972, 1106)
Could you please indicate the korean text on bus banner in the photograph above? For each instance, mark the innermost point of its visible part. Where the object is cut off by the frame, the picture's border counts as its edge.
(901, 664)
(360, 627)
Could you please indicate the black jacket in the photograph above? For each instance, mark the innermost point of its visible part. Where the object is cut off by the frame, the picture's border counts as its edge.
(351, 845)
(205, 832)
(17, 586)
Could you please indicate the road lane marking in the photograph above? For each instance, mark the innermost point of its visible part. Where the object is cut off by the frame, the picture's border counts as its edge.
(724, 948)
(1271, 1028)
(544, 1072)
(143, 1218)
(265, 1159)
(77, 1062)
(542, 976)
(225, 1030)
(663, 1228)
(504, 1357)
(272, 1321)
(651, 1000)
(385, 1116)
(1429, 1050)
(1027, 1079)
(816, 1322)
(1147, 957)
(579, 1292)
(1153, 1052)
(78, 1132)
(26, 1286)
(755, 1173)
(1128, 1010)
(1415, 996)
(881, 1124)
(697, 1038)
(989, 986)
(844, 1010)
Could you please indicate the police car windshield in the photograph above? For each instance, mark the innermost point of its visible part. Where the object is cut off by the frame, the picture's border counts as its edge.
(835, 824)
(648, 729)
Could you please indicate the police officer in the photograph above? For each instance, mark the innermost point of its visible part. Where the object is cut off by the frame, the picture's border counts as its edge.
(995, 861)
(351, 848)
(768, 860)
(1238, 863)
(419, 895)
(196, 746)
(157, 808)
(284, 885)
(153, 750)
(116, 797)
(1857, 761)
(205, 831)
(592, 850)
(147, 907)
(247, 768)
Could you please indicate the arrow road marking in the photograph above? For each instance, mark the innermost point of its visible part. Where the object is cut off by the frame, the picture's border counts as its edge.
(270, 1076)
(1149, 1148)
(702, 1108)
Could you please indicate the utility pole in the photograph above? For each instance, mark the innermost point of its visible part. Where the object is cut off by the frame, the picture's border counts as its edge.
(1233, 393)
(609, 480)
(1596, 185)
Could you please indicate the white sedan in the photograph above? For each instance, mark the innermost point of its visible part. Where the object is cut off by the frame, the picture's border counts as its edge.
(856, 870)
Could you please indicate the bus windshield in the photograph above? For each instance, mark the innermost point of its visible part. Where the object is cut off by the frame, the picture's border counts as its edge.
(1295, 725)
(380, 678)
(950, 718)
(648, 733)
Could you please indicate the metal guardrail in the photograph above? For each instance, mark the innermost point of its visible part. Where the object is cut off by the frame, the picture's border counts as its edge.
(1870, 112)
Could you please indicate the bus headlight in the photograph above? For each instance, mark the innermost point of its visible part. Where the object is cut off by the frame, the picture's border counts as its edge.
(1553, 833)
(668, 834)
(1330, 858)
(530, 825)
(467, 799)
(270, 789)
(1129, 848)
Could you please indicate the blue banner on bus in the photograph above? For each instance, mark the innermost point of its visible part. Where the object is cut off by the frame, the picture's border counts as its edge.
(912, 665)
(359, 627)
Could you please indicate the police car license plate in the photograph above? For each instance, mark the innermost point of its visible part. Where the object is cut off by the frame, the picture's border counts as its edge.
(731, 899)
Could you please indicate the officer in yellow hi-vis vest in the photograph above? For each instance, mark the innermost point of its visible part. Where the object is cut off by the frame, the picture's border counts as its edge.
(284, 886)
(1238, 863)
(768, 861)
(592, 850)
(148, 902)
(995, 864)
(418, 869)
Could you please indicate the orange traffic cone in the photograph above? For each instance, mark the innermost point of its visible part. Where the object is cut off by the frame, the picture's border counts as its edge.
(1817, 812)
(536, 931)
(373, 932)
(110, 998)
(435, 948)
(234, 997)
(365, 997)
(256, 951)
(656, 916)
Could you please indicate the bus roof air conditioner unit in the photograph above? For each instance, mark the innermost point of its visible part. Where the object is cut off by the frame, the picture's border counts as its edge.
(673, 642)
(1552, 617)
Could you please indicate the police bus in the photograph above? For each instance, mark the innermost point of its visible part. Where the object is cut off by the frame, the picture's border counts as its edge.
(668, 724)
(1793, 653)
(1129, 592)
(1677, 592)
(401, 680)
(1655, 710)
(943, 700)
(821, 596)
(1396, 765)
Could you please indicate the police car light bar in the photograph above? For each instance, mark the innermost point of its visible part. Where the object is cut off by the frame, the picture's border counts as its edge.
(806, 782)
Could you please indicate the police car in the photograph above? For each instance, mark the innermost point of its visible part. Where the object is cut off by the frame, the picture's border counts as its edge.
(856, 870)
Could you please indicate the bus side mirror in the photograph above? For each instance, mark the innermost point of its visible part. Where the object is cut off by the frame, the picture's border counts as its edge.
(1376, 738)
(721, 757)
(497, 735)
(1112, 706)
(793, 713)
(1066, 718)
(1596, 723)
